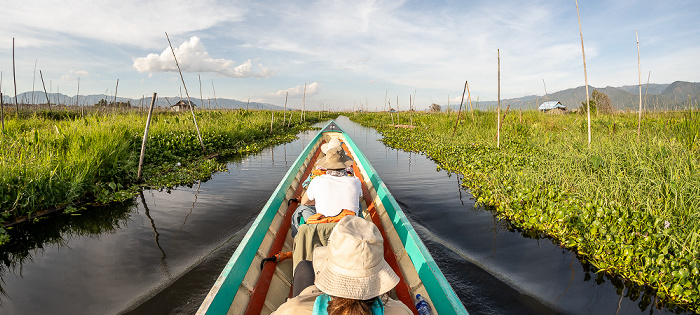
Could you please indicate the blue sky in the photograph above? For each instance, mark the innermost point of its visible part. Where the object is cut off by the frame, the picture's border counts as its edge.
(348, 53)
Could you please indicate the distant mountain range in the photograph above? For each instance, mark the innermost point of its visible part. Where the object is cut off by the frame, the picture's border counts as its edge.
(660, 96)
(38, 97)
(654, 96)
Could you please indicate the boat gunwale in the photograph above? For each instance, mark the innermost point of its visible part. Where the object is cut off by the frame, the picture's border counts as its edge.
(219, 299)
(221, 296)
(439, 290)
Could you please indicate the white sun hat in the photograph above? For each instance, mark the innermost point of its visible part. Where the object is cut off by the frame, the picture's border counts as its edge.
(352, 265)
(330, 144)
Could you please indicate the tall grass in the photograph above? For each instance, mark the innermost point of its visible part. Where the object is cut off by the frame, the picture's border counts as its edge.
(56, 159)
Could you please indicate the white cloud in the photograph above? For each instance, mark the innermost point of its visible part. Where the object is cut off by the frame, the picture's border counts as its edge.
(311, 89)
(74, 75)
(193, 57)
(126, 22)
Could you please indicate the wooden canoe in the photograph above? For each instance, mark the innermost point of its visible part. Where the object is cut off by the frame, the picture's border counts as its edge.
(243, 288)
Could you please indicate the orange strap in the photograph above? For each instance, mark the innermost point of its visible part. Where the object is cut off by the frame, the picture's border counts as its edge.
(320, 218)
(283, 256)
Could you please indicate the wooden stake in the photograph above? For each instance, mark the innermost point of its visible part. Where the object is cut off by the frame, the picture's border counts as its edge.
(585, 75)
(459, 113)
(188, 95)
(639, 67)
(145, 137)
(44, 85)
(498, 112)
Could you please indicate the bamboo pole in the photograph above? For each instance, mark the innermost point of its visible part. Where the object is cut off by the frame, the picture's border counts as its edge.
(44, 85)
(460, 109)
(585, 75)
(303, 105)
(386, 93)
(194, 118)
(520, 115)
(398, 111)
(639, 67)
(14, 76)
(115, 94)
(498, 111)
(504, 116)
(145, 137)
(647, 93)
(212, 87)
(2, 111)
(34, 80)
(410, 110)
(201, 98)
(272, 121)
(284, 114)
(470, 99)
(391, 114)
(77, 93)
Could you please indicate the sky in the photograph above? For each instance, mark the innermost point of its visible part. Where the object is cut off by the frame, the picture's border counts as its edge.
(345, 55)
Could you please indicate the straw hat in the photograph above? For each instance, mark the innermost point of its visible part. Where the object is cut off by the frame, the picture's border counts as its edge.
(352, 265)
(335, 159)
(330, 144)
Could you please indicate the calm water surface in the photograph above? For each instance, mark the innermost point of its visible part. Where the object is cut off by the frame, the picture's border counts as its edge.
(160, 252)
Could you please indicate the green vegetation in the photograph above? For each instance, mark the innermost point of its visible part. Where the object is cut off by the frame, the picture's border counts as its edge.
(57, 159)
(630, 208)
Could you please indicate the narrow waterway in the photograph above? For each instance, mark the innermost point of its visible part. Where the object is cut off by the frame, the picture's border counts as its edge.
(160, 252)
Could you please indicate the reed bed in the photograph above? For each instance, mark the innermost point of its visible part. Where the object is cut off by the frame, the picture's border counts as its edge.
(630, 208)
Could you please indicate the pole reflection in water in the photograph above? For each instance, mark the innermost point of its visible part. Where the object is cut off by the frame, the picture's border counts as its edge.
(156, 235)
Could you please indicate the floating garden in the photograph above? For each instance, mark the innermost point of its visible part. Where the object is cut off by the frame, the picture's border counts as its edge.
(61, 160)
(629, 205)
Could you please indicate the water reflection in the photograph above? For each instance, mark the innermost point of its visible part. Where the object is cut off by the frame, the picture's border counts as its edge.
(29, 239)
(156, 235)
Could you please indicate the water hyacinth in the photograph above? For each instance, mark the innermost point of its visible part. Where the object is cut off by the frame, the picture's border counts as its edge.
(613, 203)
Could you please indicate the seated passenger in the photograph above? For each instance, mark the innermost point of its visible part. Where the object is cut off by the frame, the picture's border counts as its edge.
(318, 170)
(351, 275)
(331, 196)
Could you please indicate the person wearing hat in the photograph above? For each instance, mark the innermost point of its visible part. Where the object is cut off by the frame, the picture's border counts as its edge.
(318, 170)
(333, 143)
(351, 275)
(330, 194)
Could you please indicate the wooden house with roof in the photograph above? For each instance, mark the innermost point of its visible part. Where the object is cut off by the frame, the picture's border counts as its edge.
(552, 107)
(182, 105)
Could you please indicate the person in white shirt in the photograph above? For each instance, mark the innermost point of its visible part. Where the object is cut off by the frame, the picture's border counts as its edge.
(331, 193)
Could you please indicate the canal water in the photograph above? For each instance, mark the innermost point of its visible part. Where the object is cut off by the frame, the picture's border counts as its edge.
(160, 252)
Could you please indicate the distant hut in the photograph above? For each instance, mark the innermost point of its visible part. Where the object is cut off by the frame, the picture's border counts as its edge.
(182, 105)
(552, 107)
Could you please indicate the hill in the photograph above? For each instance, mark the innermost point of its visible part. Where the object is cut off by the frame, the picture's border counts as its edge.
(38, 97)
(659, 96)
